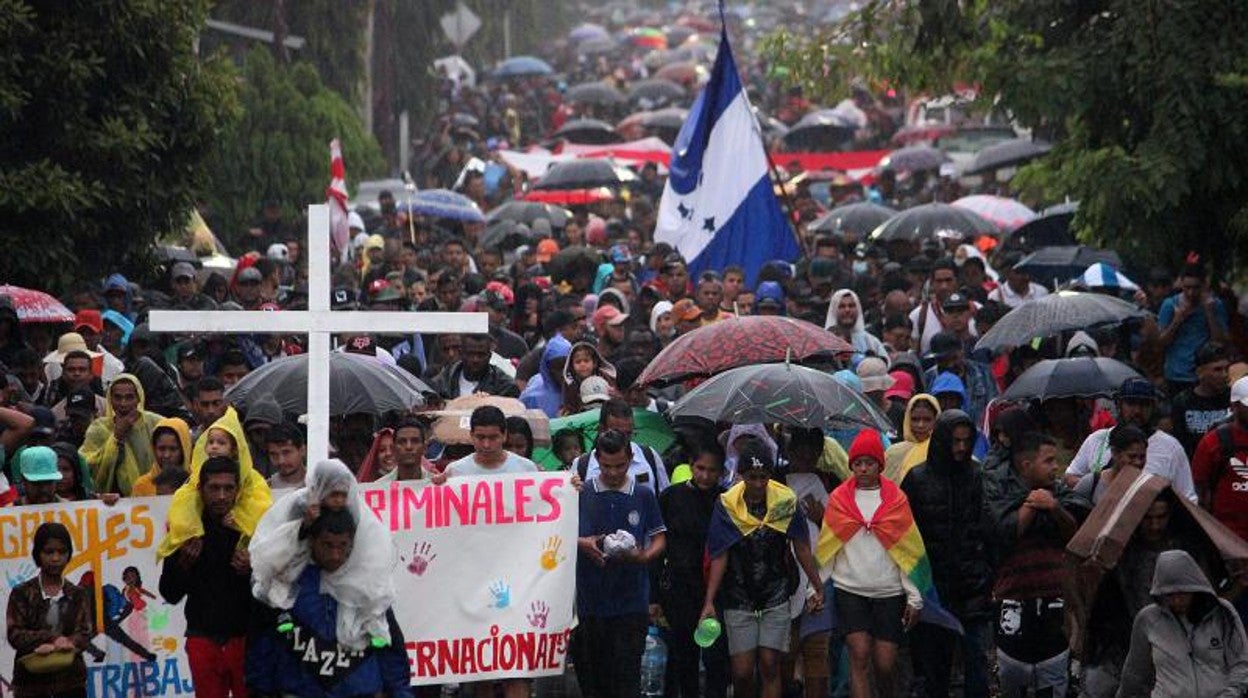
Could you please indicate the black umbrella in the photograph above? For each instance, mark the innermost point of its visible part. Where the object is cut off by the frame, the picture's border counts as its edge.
(922, 222)
(1053, 314)
(597, 93)
(1054, 265)
(1011, 153)
(670, 118)
(780, 394)
(528, 211)
(573, 261)
(822, 131)
(356, 384)
(1078, 377)
(915, 159)
(583, 174)
(588, 131)
(860, 219)
(505, 234)
(656, 91)
(1051, 229)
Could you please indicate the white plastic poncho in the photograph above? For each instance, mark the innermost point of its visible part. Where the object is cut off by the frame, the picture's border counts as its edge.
(363, 587)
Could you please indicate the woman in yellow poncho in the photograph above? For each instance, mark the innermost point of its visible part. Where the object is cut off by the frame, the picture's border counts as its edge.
(118, 446)
(224, 437)
(170, 433)
(917, 430)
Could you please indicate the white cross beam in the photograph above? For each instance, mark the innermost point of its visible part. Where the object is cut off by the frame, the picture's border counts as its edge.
(319, 322)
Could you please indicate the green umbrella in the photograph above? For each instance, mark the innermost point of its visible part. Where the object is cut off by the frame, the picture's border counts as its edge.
(649, 429)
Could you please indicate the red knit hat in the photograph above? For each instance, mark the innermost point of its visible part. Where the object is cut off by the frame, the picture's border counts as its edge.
(867, 443)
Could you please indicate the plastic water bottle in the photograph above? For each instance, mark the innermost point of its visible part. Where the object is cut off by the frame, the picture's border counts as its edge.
(653, 665)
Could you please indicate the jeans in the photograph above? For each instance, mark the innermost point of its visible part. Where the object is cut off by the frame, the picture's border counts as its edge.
(608, 655)
(932, 650)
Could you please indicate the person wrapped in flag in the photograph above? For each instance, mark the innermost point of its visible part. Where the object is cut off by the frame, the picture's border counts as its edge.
(870, 547)
(754, 535)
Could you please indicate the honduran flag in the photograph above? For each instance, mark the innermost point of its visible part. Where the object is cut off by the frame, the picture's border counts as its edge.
(718, 207)
(893, 525)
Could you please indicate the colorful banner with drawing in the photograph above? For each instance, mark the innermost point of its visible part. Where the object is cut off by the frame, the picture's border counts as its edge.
(486, 581)
(487, 576)
(139, 649)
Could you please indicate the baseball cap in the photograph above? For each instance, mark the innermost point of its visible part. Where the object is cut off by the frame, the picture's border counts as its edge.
(1139, 389)
(249, 275)
(956, 301)
(80, 401)
(903, 386)
(45, 421)
(38, 464)
(686, 310)
(546, 249)
(89, 319)
(943, 345)
(189, 351)
(769, 292)
(594, 390)
(182, 270)
(1239, 392)
(609, 315)
(1210, 353)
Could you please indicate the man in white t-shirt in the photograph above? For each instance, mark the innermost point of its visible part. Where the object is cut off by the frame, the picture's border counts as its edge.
(488, 428)
(1018, 287)
(1137, 401)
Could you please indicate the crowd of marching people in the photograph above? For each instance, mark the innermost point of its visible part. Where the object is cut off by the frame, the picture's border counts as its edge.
(932, 553)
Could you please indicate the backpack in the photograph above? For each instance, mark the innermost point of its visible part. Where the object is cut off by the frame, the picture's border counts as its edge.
(581, 464)
(1226, 442)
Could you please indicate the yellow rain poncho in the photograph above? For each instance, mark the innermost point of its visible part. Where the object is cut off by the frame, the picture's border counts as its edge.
(145, 486)
(186, 510)
(115, 466)
(901, 457)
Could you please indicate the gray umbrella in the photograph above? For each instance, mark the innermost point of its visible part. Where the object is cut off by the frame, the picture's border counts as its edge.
(925, 221)
(780, 394)
(915, 159)
(528, 211)
(588, 131)
(357, 383)
(599, 93)
(656, 91)
(1077, 377)
(1053, 314)
(860, 218)
(1009, 153)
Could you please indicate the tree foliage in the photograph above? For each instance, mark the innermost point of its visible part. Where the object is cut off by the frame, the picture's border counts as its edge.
(279, 148)
(105, 116)
(1146, 100)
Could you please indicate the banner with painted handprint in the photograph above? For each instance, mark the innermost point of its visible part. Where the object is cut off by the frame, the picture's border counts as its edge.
(138, 648)
(487, 573)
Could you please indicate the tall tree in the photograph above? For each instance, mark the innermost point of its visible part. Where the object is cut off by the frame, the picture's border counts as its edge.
(105, 116)
(279, 148)
(1145, 98)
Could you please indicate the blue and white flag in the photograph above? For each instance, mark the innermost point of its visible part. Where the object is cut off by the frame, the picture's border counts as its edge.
(719, 207)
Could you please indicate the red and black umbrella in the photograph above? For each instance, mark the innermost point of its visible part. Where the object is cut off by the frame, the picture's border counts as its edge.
(741, 341)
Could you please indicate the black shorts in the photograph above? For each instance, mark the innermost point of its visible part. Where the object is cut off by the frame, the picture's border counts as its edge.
(880, 618)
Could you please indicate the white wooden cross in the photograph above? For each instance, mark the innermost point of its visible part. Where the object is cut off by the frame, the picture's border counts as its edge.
(318, 322)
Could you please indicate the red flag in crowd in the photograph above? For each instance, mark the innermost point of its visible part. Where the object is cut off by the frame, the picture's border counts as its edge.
(337, 199)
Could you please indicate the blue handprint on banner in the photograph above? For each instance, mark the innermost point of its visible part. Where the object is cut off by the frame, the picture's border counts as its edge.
(501, 593)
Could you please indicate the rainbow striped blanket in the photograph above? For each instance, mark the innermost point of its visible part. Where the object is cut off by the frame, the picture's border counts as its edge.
(893, 525)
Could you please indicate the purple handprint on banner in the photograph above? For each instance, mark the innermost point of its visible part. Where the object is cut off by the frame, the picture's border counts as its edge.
(422, 555)
(539, 611)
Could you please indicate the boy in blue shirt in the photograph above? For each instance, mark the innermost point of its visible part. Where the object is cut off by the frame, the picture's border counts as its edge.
(613, 590)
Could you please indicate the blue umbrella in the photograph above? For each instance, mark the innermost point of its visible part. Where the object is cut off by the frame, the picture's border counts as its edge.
(521, 66)
(443, 203)
(588, 31)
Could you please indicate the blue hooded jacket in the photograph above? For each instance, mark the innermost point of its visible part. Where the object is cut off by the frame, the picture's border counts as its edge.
(947, 382)
(545, 391)
(272, 665)
(119, 281)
